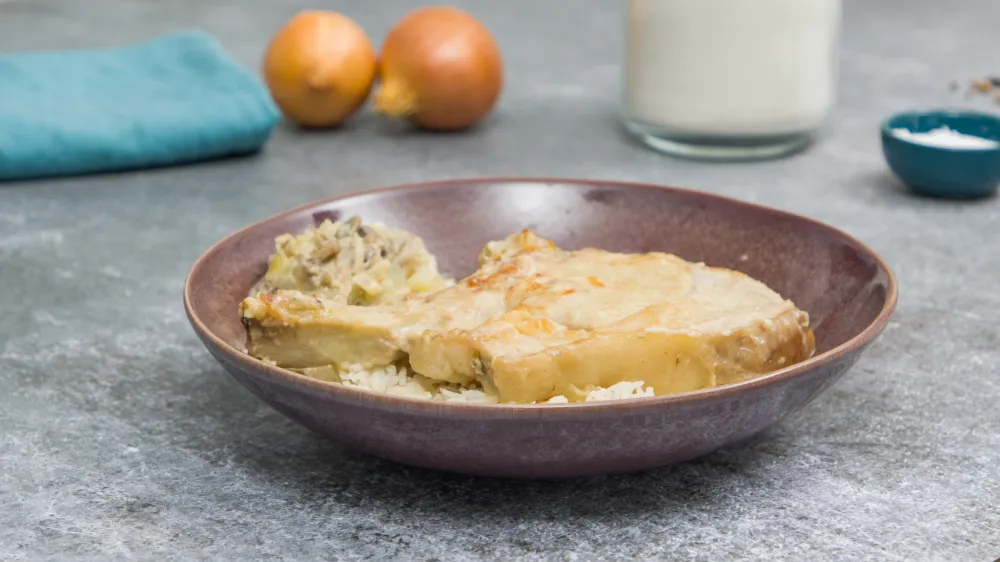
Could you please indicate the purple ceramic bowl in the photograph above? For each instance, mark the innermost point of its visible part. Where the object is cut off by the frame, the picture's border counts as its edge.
(848, 291)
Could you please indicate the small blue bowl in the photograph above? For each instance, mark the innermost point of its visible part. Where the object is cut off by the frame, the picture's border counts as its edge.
(943, 171)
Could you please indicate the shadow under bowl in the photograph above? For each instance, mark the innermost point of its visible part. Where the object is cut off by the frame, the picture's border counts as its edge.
(960, 173)
(847, 289)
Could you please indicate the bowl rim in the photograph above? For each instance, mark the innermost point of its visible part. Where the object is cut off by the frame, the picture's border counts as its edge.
(946, 113)
(292, 379)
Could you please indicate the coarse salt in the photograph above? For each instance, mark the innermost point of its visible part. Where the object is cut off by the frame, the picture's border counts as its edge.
(944, 137)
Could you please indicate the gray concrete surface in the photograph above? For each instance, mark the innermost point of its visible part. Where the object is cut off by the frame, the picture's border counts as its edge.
(120, 438)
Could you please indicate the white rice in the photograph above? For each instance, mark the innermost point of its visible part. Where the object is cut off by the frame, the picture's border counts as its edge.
(619, 391)
(399, 382)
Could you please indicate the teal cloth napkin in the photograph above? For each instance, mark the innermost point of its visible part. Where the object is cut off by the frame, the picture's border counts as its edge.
(176, 99)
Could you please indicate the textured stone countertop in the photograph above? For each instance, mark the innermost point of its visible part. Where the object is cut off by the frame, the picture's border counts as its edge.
(121, 438)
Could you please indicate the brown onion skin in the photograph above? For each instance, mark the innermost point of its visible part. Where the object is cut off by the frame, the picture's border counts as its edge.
(319, 68)
(441, 68)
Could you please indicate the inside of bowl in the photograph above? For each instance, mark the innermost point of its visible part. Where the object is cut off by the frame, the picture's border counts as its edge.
(968, 123)
(838, 282)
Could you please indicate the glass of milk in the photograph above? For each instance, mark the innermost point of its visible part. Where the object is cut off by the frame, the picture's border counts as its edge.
(725, 79)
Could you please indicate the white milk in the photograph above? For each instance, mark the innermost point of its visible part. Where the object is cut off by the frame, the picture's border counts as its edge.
(731, 67)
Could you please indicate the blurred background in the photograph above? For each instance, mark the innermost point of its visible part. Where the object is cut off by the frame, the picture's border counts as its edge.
(120, 438)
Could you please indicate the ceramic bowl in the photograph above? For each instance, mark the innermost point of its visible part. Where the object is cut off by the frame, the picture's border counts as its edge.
(942, 171)
(847, 289)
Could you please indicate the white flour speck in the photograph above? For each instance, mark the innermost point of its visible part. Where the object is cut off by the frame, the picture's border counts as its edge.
(111, 272)
(46, 317)
(31, 239)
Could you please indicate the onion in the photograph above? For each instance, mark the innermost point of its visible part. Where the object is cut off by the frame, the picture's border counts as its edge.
(440, 68)
(319, 68)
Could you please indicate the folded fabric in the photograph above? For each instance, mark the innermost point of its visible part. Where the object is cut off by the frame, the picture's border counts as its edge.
(176, 99)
